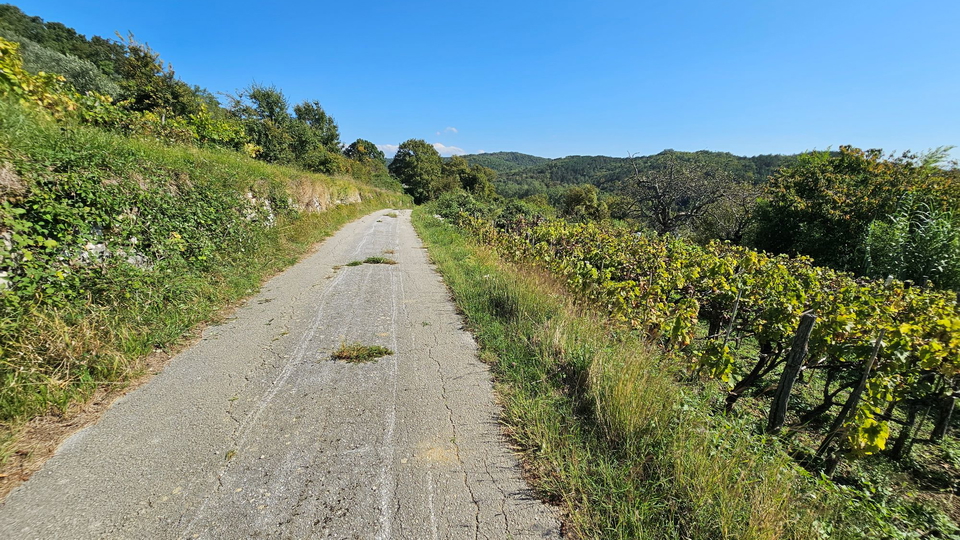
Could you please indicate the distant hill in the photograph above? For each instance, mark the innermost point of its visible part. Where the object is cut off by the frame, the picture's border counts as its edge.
(520, 175)
(504, 162)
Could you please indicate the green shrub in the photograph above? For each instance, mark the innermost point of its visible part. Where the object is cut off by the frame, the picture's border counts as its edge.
(916, 243)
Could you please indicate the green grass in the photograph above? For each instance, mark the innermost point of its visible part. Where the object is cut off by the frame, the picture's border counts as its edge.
(357, 353)
(606, 430)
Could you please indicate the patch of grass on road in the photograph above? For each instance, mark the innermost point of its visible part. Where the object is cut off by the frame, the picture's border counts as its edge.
(372, 260)
(356, 353)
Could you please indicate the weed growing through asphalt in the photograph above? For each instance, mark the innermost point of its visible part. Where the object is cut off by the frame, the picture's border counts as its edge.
(372, 260)
(379, 260)
(356, 353)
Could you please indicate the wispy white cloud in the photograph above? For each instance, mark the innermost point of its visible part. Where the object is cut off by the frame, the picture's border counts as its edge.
(481, 151)
(388, 149)
(451, 130)
(447, 150)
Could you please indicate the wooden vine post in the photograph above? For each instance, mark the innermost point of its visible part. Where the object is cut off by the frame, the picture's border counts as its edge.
(852, 401)
(794, 362)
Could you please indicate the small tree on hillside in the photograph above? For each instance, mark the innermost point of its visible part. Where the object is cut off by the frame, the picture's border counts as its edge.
(417, 166)
(322, 126)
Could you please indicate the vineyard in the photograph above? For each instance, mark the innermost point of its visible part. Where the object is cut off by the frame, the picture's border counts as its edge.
(868, 363)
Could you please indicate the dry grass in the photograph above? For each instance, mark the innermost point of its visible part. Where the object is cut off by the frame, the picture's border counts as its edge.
(356, 353)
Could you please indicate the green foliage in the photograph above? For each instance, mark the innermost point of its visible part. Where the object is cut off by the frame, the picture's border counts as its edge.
(502, 162)
(364, 151)
(458, 174)
(321, 160)
(418, 167)
(823, 205)
(582, 203)
(263, 111)
(83, 75)
(148, 85)
(674, 190)
(544, 176)
(42, 91)
(323, 129)
(917, 243)
(105, 54)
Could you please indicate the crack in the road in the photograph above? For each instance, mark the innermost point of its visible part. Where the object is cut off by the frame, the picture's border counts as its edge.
(454, 441)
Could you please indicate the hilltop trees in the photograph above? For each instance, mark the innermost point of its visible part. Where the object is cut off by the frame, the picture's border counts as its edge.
(310, 139)
(476, 179)
(363, 150)
(418, 166)
(426, 176)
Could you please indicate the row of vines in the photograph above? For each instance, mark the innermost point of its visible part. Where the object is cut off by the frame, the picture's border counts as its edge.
(883, 353)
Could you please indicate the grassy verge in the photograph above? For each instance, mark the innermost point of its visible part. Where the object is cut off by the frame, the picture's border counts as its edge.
(606, 430)
(113, 248)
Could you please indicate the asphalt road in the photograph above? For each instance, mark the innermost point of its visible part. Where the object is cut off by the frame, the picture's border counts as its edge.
(255, 432)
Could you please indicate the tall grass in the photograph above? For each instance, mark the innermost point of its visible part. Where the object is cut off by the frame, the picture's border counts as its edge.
(606, 429)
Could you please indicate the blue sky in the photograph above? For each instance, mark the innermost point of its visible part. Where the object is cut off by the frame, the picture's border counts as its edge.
(566, 78)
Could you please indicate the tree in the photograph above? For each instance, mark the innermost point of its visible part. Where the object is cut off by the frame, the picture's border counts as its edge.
(364, 151)
(147, 84)
(265, 115)
(457, 173)
(323, 127)
(823, 205)
(582, 203)
(417, 166)
(730, 217)
(674, 191)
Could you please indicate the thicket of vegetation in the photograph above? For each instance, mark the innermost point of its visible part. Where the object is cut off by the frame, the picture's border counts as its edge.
(876, 379)
(124, 86)
(125, 223)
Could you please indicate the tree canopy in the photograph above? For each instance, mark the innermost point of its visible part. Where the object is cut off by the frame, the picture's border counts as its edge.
(823, 205)
(418, 166)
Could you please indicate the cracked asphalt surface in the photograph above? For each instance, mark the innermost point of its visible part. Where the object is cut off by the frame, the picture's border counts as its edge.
(255, 432)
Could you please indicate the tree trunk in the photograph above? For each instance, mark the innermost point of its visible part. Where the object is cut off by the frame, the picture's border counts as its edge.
(943, 420)
(900, 448)
(795, 358)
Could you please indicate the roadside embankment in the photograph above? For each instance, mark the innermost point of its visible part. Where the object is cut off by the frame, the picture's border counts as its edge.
(112, 248)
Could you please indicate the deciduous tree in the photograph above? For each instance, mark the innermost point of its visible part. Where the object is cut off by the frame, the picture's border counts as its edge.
(417, 166)
(674, 192)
